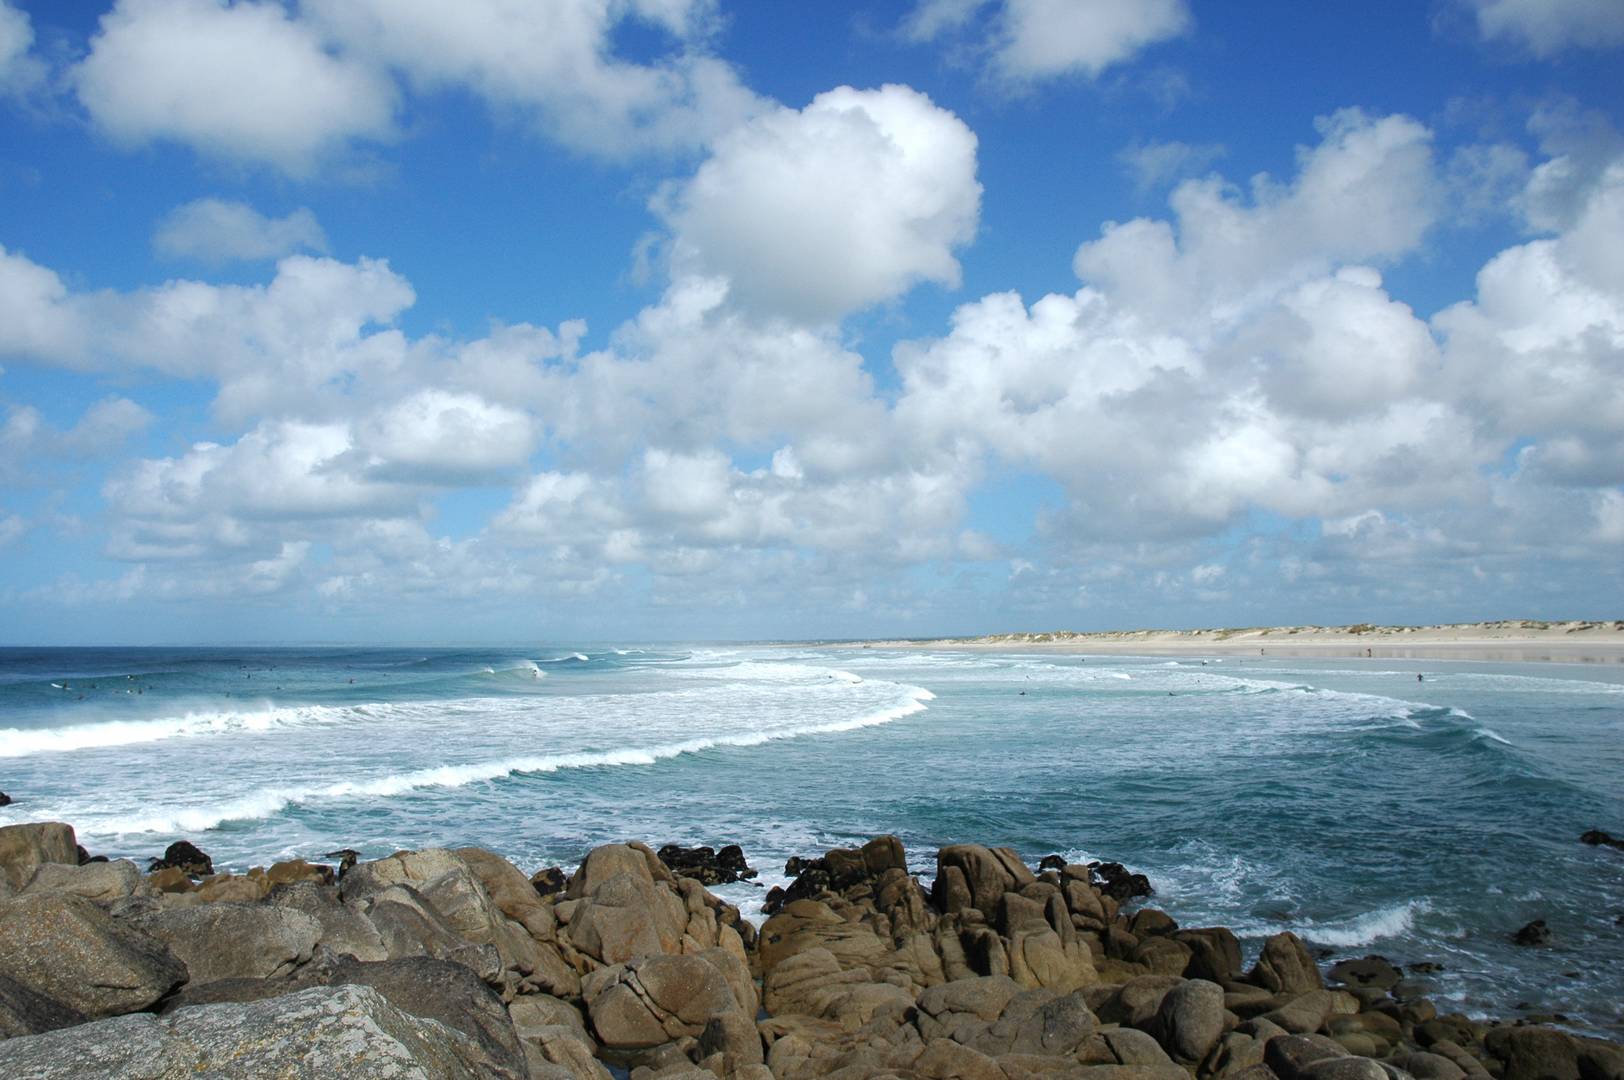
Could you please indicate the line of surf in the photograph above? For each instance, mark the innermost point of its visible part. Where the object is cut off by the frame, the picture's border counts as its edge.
(268, 802)
(26, 742)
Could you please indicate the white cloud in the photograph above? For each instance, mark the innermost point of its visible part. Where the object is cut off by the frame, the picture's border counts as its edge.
(29, 445)
(1368, 191)
(37, 319)
(438, 436)
(555, 63)
(815, 213)
(12, 528)
(1028, 40)
(216, 231)
(294, 344)
(931, 18)
(1547, 27)
(240, 80)
(1152, 164)
(1045, 38)
(19, 69)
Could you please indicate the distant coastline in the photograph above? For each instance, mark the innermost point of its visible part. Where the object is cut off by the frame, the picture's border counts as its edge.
(1506, 640)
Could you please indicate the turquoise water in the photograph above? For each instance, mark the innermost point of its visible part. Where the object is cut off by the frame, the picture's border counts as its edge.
(1344, 800)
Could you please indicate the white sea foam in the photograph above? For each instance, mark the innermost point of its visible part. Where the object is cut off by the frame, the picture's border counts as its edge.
(1366, 929)
(25, 742)
(1491, 735)
(268, 802)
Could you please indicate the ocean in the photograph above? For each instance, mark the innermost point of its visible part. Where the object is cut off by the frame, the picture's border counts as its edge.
(1345, 800)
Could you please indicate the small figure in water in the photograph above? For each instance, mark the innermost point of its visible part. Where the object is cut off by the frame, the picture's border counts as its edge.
(1418, 678)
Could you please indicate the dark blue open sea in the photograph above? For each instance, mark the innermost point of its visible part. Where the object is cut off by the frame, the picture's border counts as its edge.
(1340, 799)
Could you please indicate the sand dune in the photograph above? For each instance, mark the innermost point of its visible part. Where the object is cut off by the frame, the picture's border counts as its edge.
(1573, 641)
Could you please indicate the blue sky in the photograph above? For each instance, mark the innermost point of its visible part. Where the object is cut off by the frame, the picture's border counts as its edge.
(381, 320)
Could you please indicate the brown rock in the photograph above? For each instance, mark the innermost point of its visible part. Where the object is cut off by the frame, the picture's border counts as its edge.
(1285, 966)
(23, 848)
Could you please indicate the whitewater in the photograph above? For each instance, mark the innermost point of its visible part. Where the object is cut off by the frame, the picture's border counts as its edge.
(1348, 801)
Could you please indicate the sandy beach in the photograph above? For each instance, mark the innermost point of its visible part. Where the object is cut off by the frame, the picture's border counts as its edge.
(1510, 640)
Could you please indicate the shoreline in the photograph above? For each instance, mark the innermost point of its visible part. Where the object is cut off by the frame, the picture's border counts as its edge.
(456, 961)
(1509, 641)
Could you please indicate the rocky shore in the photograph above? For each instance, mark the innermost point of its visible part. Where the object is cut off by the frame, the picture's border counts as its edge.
(455, 963)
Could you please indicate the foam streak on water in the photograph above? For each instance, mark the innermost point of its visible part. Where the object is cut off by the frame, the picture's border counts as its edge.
(1347, 802)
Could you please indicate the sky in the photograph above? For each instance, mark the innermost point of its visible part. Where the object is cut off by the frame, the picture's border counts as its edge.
(635, 320)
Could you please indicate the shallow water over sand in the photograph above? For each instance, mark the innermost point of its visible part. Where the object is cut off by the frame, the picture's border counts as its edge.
(1345, 800)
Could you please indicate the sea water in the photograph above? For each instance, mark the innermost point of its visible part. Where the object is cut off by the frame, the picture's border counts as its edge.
(1347, 801)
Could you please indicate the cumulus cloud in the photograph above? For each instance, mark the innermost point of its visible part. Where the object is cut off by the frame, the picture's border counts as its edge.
(555, 63)
(437, 435)
(217, 231)
(243, 81)
(1272, 367)
(1241, 355)
(1547, 27)
(814, 213)
(1029, 40)
(292, 344)
(1368, 190)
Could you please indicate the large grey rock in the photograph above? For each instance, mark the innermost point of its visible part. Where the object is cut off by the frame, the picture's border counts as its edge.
(27, 1012)
(1190, 1019)
(71, 951)
(444, 991)
(102, 882)
(347, 1031)
(234, 941)
(410, 926)
(1534, 1053)
(23, 848)
(1290, 1055)
(344, 930)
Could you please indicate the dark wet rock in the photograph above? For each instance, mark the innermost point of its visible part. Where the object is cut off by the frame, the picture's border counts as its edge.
(348, 1031)
(1595, 838)
(5, 800)
(186, 857)
(1369, 971)
(1052, 862)
(67, 949)
(549, 881)
(1534, 934)
(1425, 967)
(28, 1012)
(1120, 883)
(707, 865)
(838, 871)
(346, 858)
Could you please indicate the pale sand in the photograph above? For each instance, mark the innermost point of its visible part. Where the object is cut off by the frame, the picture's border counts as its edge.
(1511, 640)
